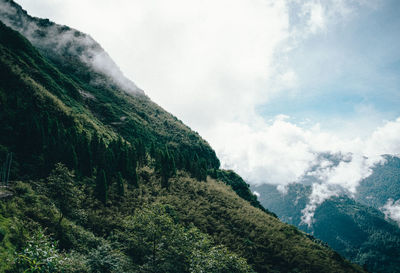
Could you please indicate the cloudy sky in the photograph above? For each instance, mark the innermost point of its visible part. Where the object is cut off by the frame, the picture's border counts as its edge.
(270, 84)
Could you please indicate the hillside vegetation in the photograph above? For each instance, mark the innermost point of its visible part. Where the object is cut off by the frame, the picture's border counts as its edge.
(136, 190)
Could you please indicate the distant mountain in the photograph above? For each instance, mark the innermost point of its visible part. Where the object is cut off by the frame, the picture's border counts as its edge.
(105, 180)
(357, 231)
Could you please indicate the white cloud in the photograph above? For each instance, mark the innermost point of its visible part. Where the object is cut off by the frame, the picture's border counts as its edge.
(257, 194)
(316, 21)
(320, 193)
(385, 139)
(281, 152)
(392, 210)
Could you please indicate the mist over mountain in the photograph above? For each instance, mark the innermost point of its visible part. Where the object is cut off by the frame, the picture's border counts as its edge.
(66, 46)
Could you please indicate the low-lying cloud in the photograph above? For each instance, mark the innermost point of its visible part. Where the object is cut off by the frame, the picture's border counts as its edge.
(392, 210)
(281, 152)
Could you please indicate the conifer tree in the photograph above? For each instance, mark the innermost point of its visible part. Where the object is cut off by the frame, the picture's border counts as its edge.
(141, 152)
(120, 185)
(132, 173)
(71, 159)
(101, 186)
(168, 168)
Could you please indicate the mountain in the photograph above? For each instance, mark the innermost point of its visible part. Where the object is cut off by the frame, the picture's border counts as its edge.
(383, 184)
(87, 95)
(357, 231)
(105, 180)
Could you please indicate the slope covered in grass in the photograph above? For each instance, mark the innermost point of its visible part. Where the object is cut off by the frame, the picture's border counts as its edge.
(191, 218)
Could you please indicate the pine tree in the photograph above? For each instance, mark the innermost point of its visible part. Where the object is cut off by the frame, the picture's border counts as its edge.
(120, 185)
(86, 161)
(168, 168)
(132, 173)
(141, 152)
(153, 151)
(94, 147)
(70, 157)
(101, 186)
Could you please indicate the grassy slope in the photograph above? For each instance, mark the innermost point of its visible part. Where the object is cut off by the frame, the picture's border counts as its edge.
(261, 238)
(267, 244)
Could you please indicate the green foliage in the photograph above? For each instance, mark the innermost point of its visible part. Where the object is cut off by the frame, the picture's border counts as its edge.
(40, 255)
(158, 244)
(105, 259)
(218, 260)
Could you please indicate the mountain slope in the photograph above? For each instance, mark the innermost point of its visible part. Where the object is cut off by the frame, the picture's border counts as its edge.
(91, 101)
(383, 184)
(138, 198)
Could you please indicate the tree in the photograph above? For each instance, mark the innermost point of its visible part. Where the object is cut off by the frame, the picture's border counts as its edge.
(141, 152)
(62, 190)
(167, 167)
(120, 185)
(101, 186)
(131, 173)
(217, 259)
(72, 161)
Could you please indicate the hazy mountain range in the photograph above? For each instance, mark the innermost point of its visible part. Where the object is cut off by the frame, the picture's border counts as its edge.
(361, 226)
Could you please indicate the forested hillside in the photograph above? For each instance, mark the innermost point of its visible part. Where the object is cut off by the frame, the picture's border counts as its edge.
(104, 180)
(383, 184)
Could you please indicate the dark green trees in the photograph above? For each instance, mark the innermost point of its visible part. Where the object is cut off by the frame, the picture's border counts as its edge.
(101, 186)
(165, 166)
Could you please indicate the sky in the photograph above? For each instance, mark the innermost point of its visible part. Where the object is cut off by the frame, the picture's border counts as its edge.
(270, 84)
